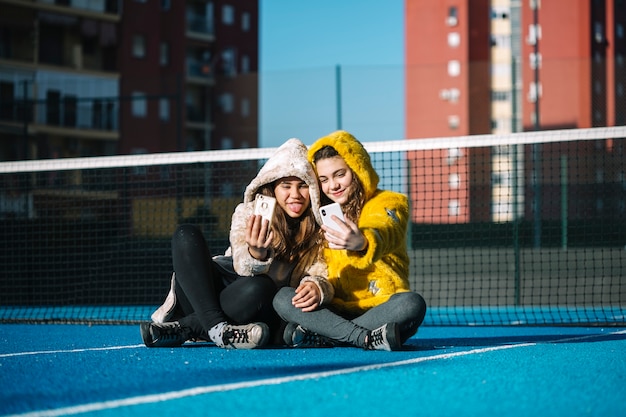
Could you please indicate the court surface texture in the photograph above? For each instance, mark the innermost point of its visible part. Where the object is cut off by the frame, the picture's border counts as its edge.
(53, 370)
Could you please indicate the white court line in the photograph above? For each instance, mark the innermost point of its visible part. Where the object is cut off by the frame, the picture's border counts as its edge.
(47, 352)
(173, 395)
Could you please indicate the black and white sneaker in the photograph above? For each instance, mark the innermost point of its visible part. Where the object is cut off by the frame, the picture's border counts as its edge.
(170, 334)
(297, 336)
(246, 336)
(386, 337)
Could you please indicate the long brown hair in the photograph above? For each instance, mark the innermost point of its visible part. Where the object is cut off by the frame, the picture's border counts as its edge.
(295, 240)
(352, 208)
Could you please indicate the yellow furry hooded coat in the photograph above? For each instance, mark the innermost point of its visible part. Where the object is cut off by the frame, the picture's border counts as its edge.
(365, 280)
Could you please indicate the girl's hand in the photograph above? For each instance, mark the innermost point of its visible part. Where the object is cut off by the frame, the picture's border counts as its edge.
(258, 237)
(307, 297)
(347, 237)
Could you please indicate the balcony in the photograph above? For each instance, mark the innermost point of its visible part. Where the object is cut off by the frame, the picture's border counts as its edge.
(98, 6)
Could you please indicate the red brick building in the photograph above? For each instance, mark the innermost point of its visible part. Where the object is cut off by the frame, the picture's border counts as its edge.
(480, 66)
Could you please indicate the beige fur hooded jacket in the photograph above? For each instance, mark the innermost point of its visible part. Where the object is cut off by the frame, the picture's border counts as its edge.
(290, 159)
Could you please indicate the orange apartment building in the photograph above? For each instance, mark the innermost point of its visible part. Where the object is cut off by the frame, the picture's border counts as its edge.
(501, 66)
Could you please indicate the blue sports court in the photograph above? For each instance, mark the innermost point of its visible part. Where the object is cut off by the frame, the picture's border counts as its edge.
(55, 370)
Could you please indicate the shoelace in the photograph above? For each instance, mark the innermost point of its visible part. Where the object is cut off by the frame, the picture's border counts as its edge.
(375, 339)
(232, 336)
(311, 339)
(172, 333)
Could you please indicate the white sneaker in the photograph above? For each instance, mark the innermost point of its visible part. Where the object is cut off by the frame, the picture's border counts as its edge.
(386, 337)
(247, 336)
(165, 312)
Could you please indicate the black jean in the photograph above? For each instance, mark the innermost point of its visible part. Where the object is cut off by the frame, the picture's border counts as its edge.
(205, 298)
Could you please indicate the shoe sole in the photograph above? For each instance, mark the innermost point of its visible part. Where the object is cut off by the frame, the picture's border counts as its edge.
(146, 336)
(394, 338)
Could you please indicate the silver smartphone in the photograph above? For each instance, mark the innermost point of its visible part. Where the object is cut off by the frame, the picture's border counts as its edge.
(327, 211)
(265, 206)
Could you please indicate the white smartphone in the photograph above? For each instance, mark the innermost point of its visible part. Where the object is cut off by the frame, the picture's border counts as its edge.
(265, 206)
(326, 213)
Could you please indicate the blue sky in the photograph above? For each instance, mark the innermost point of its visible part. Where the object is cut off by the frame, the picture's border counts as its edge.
(302, 42)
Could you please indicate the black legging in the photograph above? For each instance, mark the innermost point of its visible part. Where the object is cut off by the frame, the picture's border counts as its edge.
(205, 299)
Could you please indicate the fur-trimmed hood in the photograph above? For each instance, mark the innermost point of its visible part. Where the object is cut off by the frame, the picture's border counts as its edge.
(355, 155)
(290, 159)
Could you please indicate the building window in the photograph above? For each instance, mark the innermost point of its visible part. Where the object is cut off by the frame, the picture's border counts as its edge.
(502, 125)
(500, 95)
(597, 116)
(534, 34)
(599, 175)
(454, 68)
(245, 22)
(164, 54)
(227, 143)
(166, 4)
(228, 14)
(139, 105)
(534, 92)
(164, 109)
(598, 32)
(597, 87)
(454, 208)
(139, 46)
(454, 154)
(453, 18)
(139, 170)
(500, 13)
(245, 64)
(229, 65)
(454, 39)
(450, 94)
(454, 180)
(501, 41)
(534, 60)
(245, 107)
(454, 121)
(501, 70)
(227, 102)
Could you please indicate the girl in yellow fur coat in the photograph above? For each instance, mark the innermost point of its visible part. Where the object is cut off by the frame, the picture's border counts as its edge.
(367, 259)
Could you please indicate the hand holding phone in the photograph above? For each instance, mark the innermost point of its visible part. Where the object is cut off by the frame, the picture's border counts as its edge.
(265, 206)
(326, 213)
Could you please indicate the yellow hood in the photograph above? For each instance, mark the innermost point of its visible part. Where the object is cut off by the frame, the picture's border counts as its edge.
(355, 155)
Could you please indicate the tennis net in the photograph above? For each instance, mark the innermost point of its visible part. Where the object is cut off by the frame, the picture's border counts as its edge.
(526, 228)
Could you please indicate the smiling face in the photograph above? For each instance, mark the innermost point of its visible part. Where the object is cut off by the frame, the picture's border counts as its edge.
(336, 178)
(292, 195)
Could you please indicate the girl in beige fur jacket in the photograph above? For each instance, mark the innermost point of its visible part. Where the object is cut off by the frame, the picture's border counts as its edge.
(227, 299)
